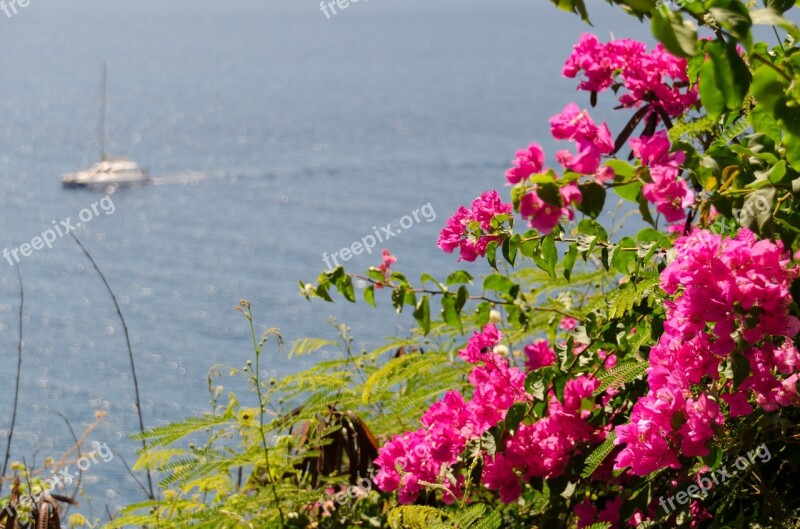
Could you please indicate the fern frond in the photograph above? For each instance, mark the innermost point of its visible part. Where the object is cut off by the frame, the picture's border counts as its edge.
(168, 434)
(599, 455)
(414, 517)
(306, 346)
(622, 374)
(693, 129)
(622, 300)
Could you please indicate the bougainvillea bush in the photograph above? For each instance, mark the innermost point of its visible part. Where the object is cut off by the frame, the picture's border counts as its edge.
(605, 374)
(666, 394)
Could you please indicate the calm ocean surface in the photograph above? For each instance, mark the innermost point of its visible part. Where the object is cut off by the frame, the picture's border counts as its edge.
(274, 134)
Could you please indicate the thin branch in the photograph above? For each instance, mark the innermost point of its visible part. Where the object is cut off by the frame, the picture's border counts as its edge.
(80, 474)
(130, 471)
(245, 308)
(151, 494)
(16, 388)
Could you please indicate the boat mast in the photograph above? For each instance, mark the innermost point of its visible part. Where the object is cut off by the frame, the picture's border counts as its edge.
(102, 137)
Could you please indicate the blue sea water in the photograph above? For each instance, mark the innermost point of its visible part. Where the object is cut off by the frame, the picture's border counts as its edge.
(274, 134)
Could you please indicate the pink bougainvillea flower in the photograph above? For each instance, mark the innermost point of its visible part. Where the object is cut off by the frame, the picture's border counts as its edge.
(385, 269)
(668, 191)
(592, 141)
(539, 354)
(528, 161)
(543, 216)
(471, 230)
(568, 324)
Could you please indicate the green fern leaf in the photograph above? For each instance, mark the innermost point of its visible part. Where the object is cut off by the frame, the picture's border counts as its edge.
(622, 374)
(599, 455)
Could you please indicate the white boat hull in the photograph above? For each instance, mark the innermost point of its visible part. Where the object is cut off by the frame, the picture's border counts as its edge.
(108, 173)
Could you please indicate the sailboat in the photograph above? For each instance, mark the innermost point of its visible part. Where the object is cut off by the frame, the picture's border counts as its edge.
(110, 172)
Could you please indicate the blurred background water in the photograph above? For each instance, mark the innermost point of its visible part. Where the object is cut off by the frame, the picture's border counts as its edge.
(275, 134)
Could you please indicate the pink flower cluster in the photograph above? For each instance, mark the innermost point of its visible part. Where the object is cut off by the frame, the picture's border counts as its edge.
(732, 305)
(668, 191)
(386, 268)
(539, 354)
(543, 216)
(592, 141)
(471, 230)
(656, 77)
(527, 162)
(588, 515)
(541, 449)
(412, 459)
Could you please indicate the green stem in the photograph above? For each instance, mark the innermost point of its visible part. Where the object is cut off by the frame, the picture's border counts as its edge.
(248, 313)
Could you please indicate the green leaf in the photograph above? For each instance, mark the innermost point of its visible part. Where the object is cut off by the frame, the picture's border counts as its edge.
(559, 383)
(510, 247)
(459, 277)
(741, 368)
(757, 209)
(573, 6)
(427, 277)
(547, 260)
(398, 298)
(651, 235)
(724, 79)
(592, 227)
(792, 145)
(734, 17)
(450, 314)
(344, 285)
(630, 192)
(498, 283)
(622, 257)
(710, 94)
(491, 254)
(537, 382)
(769, 88)
(594, 198)
(778, 172)
(322, 292)
(461, 298)
(515, 414)
(714, 458)
(369, 295)
(679, 37)
(644, 209)
(569, 260)
(482, 313)
(622, 169)
(550, 194)
(422, 314)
